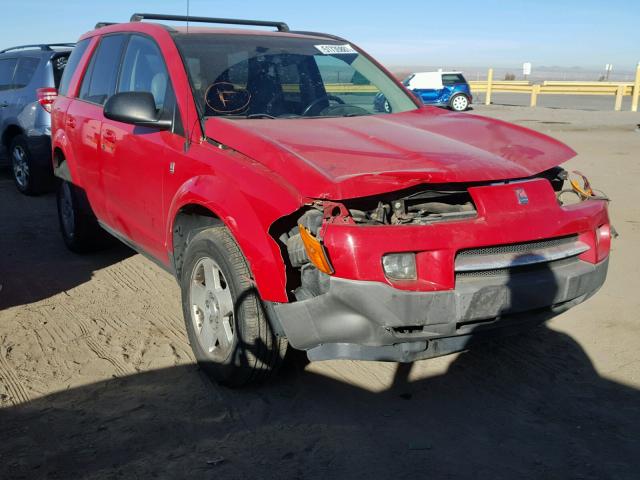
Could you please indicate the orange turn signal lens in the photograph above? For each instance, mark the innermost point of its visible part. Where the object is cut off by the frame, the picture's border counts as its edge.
(315, 251)
(580, 184)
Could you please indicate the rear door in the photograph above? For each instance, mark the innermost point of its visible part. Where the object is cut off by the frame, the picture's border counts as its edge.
(84, 117)
(25, 93)
(451, 83)
(67, 89)
(136, 159)
(428, 86)
(7, 70)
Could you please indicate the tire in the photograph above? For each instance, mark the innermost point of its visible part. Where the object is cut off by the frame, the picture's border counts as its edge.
(459, 103)
(30, 179)
(79, 227)
(227, 326)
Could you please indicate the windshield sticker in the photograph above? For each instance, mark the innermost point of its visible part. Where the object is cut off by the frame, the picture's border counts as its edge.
(345, 49)
(225, 97)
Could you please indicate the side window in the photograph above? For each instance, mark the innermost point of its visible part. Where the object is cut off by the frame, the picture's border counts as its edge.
(7, 68)
(452, 78)
(86, 81)
(72, 65)
(24, 73)
(99, 82)
(143, 70)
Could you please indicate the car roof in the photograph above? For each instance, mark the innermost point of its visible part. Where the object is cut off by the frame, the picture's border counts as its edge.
(38, 51)
(440, 72)
(153, 27)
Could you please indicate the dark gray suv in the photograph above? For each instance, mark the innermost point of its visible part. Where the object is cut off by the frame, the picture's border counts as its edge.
(29, 75)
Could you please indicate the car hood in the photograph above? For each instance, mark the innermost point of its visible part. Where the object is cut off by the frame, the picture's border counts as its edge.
(351, 157)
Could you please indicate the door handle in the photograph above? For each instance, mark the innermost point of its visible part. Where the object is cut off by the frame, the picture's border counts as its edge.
(71, 122)
(4, 105)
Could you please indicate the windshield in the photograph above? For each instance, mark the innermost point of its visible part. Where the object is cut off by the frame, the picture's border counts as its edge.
(259, 76)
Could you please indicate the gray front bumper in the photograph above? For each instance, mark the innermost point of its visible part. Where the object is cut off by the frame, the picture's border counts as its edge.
(374, 321)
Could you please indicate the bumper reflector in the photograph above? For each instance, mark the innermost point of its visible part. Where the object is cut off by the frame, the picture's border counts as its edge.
(603, 242)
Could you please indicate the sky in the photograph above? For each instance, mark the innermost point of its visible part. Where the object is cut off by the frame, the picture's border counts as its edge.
(480, 33)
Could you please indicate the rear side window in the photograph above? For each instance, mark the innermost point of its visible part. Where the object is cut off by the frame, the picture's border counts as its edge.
(72, 65)
(99, 82)
(27, 66)
(452, 78)
(7, 68)
(58, 64)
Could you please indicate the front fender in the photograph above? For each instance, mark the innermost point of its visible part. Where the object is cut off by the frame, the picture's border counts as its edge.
(248, 217)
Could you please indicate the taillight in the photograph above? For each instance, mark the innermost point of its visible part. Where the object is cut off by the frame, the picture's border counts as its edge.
(46, 97)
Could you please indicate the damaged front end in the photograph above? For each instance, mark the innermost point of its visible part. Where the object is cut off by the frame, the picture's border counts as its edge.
(409, 274)
(418, 206)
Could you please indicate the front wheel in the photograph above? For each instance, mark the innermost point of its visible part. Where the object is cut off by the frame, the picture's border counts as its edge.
(459, 103)
(228, 329)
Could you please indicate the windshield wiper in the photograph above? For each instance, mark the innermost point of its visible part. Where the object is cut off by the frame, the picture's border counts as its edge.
(260, 115)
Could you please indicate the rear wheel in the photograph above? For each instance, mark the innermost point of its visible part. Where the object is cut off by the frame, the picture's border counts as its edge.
(226, 323)
(30, 179)
(459, 103)
(79, 227)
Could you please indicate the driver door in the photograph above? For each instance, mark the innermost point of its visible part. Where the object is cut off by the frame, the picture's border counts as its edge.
(135, 158)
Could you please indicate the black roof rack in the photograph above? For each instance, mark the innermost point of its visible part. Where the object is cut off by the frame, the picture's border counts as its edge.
(42, 46)
(137, 17)
(104, 24)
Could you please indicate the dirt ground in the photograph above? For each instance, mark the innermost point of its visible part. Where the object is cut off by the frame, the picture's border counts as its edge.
(97, 379)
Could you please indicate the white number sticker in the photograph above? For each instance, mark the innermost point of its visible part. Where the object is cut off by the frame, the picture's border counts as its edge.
(345, 49)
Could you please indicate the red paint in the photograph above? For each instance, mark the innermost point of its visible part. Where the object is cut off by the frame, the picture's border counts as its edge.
(339, 158)
(356, 251)
(271, 168)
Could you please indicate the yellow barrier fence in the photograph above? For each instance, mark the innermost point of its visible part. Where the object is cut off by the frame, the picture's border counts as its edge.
(617, 90)
(488, 87)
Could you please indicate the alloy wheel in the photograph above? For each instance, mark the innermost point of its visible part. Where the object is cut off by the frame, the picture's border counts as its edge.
(211, 308)
(20, 166)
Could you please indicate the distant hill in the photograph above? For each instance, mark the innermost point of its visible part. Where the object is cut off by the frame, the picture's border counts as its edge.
(539, 73)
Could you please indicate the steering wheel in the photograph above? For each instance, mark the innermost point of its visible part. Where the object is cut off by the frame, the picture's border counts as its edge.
(328, 97)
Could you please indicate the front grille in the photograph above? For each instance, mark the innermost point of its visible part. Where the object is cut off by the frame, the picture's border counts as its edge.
(500, 259)
(498, 272)
(519, 247)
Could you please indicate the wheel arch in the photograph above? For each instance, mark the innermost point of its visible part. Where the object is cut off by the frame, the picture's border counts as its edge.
(206, 201)
(62, 158)
(60, 165)
(10, 133)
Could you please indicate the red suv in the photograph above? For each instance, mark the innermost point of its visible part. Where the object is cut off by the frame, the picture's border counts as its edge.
(252, 165)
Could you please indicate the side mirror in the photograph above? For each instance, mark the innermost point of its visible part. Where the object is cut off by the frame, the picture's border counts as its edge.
(136, 108)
